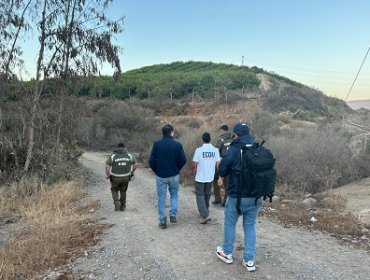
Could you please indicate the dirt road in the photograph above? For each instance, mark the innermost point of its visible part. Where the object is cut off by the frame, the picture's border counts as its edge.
(135, 248)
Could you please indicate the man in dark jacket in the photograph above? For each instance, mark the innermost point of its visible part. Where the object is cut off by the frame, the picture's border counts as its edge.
(249, 206)
(166, 160)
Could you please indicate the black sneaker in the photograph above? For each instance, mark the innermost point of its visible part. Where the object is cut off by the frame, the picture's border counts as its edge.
(162, 225)
(205, 220)
(216, 202)
(117, 208)
(123, 208)
(173, 220)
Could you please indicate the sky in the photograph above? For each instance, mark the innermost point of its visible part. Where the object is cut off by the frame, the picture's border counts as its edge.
(320, 43)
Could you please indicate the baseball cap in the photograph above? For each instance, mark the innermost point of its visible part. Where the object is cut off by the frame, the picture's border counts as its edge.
(241, 129)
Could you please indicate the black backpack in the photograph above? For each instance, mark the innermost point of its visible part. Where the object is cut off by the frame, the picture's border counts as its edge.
(257, 175)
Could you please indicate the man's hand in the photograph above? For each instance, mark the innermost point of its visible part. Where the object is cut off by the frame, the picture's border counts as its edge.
(220, 181)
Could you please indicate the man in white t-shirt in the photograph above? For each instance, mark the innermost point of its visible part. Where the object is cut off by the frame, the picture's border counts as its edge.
(205, 160)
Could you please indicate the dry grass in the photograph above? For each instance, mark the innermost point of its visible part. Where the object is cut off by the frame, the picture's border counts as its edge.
(52, 229)
(331, 218)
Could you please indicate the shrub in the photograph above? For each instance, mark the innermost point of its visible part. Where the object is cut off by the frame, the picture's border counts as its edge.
(313, 160)
(120, 122)
(264, 124)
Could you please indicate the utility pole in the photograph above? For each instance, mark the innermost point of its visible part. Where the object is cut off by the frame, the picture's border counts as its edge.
(242, 60)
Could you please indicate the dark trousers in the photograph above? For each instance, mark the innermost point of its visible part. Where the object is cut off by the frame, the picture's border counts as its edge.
(119, 188)
(203, 194)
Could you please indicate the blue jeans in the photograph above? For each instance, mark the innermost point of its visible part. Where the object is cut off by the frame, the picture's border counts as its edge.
(172, 183)
(249, 210)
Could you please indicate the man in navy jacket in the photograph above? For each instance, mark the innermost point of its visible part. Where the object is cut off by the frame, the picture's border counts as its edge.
(166, 160)
(249, 206)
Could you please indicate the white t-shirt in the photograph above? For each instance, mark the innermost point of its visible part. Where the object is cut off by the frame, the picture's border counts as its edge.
(206, 157)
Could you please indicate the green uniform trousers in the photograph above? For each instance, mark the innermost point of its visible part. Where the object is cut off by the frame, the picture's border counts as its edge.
(217, 189)
(119, 187)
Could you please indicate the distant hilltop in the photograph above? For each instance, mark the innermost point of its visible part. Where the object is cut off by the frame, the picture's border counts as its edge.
(357, 104)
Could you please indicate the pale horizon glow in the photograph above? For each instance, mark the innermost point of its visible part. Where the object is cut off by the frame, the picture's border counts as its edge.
(318, 43)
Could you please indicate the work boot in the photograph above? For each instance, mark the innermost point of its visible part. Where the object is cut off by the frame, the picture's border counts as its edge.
(162, 225)
(117, 206)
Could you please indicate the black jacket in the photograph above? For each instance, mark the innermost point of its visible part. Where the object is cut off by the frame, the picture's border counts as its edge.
(167, 157)
(231, 163)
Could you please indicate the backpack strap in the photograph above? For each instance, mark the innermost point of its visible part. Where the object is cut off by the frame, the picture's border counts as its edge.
(239, 198)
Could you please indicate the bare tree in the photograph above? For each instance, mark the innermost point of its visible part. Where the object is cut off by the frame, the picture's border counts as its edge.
(37, 91)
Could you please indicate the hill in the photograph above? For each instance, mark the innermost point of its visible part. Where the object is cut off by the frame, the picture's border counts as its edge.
(358, 104)
(225, 83)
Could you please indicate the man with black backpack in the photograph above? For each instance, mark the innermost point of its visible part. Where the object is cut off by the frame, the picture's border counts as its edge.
(222, 144)
(240, 202)
(119, 169)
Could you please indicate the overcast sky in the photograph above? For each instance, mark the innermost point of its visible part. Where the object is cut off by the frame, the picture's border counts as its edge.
(320, 43)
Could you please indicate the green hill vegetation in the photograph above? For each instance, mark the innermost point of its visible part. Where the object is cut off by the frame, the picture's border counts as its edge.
(177, 79)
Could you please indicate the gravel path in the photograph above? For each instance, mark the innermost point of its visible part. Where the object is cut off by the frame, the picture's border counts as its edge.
(135, 248)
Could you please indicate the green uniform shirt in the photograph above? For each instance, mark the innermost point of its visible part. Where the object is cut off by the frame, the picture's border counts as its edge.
(120, 151)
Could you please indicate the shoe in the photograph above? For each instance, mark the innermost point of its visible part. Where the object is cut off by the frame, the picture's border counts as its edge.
(206, 220)
(173, 220)
(162, 225)
(117, 208)
(223, 205)
(216, 202)
(222, 256)
(249, 265)
(122, 208)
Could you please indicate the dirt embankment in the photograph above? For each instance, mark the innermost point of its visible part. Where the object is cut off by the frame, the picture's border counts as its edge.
(135, 248)
(357, 197)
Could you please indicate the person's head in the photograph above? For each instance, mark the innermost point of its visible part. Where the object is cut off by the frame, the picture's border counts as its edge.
(241, 129)
(167, 130)
(206, 137)
(120, 145)
(223, 129)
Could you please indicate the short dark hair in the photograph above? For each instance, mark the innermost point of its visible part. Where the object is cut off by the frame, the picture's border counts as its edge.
(225, 127)
(206, 137)
(167, 129)
(120, 145)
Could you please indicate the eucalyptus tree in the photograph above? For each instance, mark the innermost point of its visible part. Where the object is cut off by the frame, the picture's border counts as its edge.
(75, 38)
(12, 23)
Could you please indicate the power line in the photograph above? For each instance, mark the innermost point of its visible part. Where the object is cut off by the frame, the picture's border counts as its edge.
(359, 70)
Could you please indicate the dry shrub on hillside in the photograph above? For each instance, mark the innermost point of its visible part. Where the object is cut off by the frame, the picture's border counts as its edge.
(264, 125)
(52, 229)
(313, 160)
(120, 122)
(47, 156)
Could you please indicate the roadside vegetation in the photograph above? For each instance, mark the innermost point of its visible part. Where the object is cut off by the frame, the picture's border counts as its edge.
(46, 123)
(50, 227)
